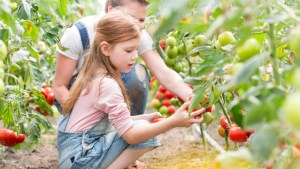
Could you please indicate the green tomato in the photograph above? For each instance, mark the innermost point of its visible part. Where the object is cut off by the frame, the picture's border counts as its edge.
(174, 101)
(163, 110)
(178, 67)
(226, 38)
(3, 50)
(207, 117)
(291, 110)
(295, 40)
(171, 41)
(155, 103)
(170, 61)
(13, 6)
(250, 48)
(200, 40)
(1, 86)
(172, 51)
(181, 49)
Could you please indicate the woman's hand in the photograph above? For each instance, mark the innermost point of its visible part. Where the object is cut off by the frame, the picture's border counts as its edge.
(181, 118)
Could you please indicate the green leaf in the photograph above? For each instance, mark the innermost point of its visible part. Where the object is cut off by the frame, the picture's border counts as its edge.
(24, 10)
(264, 141)
(63, 7)
(31, 30)
(6, 16)
(32, 51)
(244, 74)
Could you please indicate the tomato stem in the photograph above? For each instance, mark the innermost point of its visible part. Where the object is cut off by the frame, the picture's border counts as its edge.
(203, 137)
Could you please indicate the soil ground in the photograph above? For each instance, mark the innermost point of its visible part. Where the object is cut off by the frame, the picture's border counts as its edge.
(182, 148)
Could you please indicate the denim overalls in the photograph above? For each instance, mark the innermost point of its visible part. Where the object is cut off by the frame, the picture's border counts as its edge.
(96, 148)
(137, 90)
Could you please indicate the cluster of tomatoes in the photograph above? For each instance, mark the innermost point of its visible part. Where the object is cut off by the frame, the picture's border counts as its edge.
(10, 138)
(49, 97)
(164, 101)
(235, 133)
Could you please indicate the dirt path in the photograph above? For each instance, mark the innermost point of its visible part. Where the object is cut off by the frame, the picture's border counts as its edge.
(181, 148)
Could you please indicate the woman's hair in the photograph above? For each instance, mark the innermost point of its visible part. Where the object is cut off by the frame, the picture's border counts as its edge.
(115, 3)
(115, 27)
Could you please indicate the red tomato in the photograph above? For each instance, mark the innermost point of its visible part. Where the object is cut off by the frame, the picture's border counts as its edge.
(237, 134)
(159, 95)
(163, 44)
(249, 133)
(8, 137)
(50, 98)
(166, 102)
(44, 92)
(224, 123)
(20, 138)
(169, 95)
(210, 108)
(156, 119)
(171, 109)
(162, 89)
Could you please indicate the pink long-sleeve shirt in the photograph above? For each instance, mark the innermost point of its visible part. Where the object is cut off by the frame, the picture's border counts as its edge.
(105, 96)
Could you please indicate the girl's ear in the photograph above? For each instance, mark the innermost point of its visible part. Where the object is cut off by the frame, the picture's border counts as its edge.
(105, 48)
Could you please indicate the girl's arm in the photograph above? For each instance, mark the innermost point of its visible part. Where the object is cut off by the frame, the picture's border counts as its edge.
(181, 118)
(148, 117)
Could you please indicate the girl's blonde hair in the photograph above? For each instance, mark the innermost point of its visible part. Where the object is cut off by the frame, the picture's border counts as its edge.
(115, 27)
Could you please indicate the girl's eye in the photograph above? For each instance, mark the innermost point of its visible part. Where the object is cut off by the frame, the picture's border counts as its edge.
(128, 51)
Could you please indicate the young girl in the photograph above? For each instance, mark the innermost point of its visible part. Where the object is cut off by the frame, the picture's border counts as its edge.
(97, 130)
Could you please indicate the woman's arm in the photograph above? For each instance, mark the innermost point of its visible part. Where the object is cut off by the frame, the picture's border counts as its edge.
(65, 68)
(166, 76)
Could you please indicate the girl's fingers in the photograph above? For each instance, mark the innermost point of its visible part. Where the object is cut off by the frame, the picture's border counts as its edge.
(158, 115)
(185, 105)
(197, 113)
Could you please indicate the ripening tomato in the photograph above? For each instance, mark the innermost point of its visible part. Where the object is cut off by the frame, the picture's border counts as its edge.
(163, 44)
(221, 131)
(174, 101)
(237, 134)
(226, 38)
(224, 123)
(155, 103)
(207, 117)
(159, 95)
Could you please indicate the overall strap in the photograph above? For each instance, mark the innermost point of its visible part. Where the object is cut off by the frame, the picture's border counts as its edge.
(83, 35)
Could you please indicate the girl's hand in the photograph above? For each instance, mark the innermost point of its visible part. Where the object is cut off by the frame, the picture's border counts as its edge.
(182, 118)
(152, 116)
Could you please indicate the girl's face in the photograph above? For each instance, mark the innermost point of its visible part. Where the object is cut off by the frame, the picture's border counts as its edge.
(123, 55)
